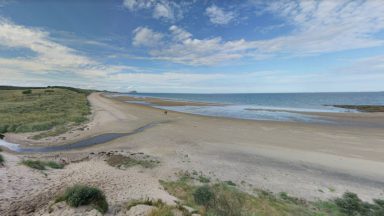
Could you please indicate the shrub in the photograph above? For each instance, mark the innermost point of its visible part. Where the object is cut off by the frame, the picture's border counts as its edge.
(204, 179)
(34, 164)
(123, 162)
(78, 195)
(230, 183)
(228, 201)
(28, 91)
(79, 119)
(41, 165)
(203, 195)
(1, 159)
(3, 128)
(54, 165)
(350, 204)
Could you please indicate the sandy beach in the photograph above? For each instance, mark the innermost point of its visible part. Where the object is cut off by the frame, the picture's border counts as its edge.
(310, 161)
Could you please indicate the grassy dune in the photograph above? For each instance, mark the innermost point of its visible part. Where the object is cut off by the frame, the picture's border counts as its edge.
(41, 109)
(225, 199)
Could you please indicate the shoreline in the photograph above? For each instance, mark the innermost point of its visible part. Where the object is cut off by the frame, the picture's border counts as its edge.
(348, 119)
(298, 158)
(94, 127)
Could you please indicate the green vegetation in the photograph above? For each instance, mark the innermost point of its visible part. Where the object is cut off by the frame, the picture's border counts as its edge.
(204, 179)
(42, 109)
(222, 199)
(203, 195)
(194, 175)
(351, 204)
(162, 209)
(28, 91)
(230, 183)
(362, 108)
(42, 165)
(1, 159)
(54, 132)
(122, 162)
(78, 195)
(148, 202)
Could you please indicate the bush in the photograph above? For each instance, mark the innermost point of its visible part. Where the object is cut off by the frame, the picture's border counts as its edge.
(34, 164)
(41, 165)
(28, 91)
(54, 165)
(203, 195)
(230, 183)
(351, 204)
(78, 195)
(3, 128)
(1, 159)
(228, 201)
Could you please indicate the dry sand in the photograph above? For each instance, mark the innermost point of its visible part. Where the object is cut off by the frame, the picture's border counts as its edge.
(305, 160)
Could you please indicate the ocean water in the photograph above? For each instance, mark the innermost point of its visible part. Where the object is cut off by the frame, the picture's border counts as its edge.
(270, 106)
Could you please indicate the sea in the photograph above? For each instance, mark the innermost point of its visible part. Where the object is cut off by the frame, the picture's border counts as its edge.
(295, 107)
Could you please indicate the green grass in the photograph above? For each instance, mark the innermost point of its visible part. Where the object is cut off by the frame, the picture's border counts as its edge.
(163, 210)
(54, 132)
(42, 165)
(227, 200)
(41, 110)
(122, 162)
(78, 195)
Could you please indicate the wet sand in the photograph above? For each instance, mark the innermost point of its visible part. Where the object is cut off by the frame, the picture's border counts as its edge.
(311, 161)
(161, 102)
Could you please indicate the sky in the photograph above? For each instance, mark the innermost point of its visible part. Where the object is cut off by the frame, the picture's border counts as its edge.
(195, 46)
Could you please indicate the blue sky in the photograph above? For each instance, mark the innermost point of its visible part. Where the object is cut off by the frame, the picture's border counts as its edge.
(194, 46)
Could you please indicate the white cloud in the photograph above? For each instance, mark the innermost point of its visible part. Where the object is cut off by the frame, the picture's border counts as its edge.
(138, 4)
(179, 34)
(184, 48)
(219, 16)
(167, 10)
(143, 36)
(49, 52)
(51, 58)
(329, 26)
(318, 27)
(56, 64)
(161, 9)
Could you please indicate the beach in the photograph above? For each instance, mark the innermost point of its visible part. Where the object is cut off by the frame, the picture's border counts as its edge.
(310, 161)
